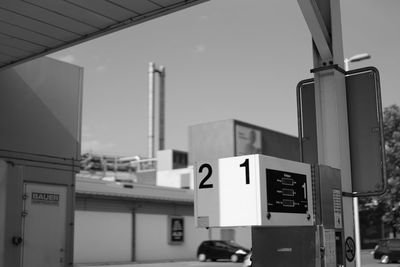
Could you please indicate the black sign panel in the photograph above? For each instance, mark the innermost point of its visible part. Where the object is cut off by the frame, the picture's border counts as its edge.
(339, 248)
(176, 230)
(286, 192)
(364, 109)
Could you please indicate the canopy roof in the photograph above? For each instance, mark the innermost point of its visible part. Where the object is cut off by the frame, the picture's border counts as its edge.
(33, 28)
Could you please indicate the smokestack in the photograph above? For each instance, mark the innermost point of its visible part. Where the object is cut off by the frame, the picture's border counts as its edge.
(161, 129)
(151, 111)
(161, 109)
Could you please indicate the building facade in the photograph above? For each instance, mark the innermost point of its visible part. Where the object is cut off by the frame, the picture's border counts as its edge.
(139, 224)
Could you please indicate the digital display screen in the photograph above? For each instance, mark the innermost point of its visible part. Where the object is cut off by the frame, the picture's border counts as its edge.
(286, 192)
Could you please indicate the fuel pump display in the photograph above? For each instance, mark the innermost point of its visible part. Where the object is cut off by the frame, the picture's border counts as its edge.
(286, 192)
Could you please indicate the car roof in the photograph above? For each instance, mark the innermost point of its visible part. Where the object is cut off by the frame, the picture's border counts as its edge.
(230, 243)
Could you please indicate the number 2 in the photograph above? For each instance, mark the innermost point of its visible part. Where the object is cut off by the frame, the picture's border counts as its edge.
(203, 184)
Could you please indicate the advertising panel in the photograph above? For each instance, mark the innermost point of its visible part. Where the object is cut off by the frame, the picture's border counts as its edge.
(176, 229)
(248, 140)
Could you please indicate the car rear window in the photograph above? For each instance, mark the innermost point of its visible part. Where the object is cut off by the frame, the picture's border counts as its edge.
(394, 243)
(221, 244)
(382, 243)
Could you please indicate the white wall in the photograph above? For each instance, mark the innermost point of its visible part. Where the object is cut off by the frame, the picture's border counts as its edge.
(242, 235)
(102, 237)
(152, 239)
(176, 178)
(107, 237)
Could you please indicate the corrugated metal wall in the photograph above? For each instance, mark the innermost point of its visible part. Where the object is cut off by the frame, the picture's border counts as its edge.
(152, 236)
(103, 236)
(121, 230)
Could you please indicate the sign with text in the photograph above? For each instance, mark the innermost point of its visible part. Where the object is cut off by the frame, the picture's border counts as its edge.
(176, 228)
(252, 190)
(286, 192)
(45, 198)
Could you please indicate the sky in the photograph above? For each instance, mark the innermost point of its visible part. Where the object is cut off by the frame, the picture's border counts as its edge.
(224, 59)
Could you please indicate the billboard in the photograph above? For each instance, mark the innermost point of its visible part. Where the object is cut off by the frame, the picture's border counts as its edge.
(248, 140)
(228, 138)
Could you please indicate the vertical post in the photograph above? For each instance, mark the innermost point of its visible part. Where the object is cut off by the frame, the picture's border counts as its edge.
(357, 232)
(355, 207)
(151, 111)
(324, 21)
(161, 130)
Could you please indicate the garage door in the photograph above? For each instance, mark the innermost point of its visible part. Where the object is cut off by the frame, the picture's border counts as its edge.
(102, 237)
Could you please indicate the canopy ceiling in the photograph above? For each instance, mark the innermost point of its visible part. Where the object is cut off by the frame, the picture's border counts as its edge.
(33, 28)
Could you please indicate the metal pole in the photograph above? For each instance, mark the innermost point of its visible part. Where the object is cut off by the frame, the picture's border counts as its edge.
(324, 21)
(151, 111)
(331, 110)
(161, 130)
(355, 207)
(357, 232)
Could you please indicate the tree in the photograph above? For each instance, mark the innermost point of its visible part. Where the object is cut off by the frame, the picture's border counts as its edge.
(390, 202)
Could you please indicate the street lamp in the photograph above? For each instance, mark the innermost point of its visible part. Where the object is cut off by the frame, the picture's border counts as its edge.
(356, 58)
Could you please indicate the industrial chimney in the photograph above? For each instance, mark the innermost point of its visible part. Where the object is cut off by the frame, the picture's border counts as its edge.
(153, 70)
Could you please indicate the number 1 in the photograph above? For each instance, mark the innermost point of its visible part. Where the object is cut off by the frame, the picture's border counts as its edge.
(247, 170)
(304, 190)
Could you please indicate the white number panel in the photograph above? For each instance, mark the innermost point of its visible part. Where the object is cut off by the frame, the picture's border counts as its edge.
(252, 190)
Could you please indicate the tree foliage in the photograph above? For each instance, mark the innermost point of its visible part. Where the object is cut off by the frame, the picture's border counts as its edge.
(390, 202)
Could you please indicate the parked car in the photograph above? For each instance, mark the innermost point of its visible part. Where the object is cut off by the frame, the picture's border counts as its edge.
(221, 250)
(387, 250)
(247, 260)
